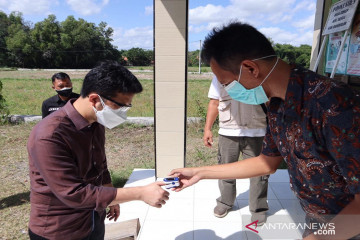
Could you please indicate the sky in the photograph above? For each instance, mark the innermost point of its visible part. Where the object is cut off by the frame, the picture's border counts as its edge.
(284, 21)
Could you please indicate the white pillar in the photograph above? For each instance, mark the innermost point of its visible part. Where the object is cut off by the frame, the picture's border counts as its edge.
(170, 77)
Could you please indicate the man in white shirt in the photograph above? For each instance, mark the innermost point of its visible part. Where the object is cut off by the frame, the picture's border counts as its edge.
(242, 129)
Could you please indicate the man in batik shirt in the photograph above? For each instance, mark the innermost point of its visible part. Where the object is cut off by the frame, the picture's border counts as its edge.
(313, 124)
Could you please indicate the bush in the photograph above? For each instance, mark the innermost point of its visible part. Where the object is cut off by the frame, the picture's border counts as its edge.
(4, 111)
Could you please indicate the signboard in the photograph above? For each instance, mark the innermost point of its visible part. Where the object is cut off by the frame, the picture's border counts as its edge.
(340, 16)
(332, 52)
(353, 64)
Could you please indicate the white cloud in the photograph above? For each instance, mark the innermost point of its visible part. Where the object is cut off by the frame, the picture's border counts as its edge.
(135, 37)
(149, 10)
(307, 23)
(26, 6)
(87, 7)
(282, 36)
(285, 21)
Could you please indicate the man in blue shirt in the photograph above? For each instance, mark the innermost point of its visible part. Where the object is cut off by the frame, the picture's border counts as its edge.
(313, 124)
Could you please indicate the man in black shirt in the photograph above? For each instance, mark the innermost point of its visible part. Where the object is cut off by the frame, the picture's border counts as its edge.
(63, 86)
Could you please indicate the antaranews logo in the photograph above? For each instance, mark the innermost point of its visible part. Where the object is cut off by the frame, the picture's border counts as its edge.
(284, 227)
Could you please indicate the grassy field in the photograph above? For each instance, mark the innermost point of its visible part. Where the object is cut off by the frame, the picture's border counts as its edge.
(25, 91)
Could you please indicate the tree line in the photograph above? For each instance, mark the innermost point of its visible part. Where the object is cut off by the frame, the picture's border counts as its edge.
(76, 43)
(291, 54)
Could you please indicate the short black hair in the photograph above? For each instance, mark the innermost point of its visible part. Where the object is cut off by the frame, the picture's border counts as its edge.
(109, 78)
(230, 45)
(60, 75)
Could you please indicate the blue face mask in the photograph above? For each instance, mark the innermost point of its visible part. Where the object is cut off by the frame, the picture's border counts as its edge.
(254, 96)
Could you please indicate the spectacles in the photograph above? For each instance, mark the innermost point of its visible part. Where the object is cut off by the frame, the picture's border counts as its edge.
(117, 103)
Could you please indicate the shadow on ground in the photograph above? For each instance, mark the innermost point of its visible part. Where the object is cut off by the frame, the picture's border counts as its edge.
(15, 200)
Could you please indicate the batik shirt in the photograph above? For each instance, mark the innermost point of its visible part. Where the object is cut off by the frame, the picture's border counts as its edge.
(317, 132)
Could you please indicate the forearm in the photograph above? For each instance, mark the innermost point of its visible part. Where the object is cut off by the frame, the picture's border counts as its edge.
(252, 167)
(211, 114)
(346, 224)
(126, 195)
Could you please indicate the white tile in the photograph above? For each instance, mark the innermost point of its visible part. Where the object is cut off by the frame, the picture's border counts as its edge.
(205, 230)
(140, 173)
(208, 189)
(185, 193)
(282, 190)
(281, 175)
(242, 190)
(134, 206)
(174, 210)
(166, 230)
(139, 182)
(294, 209)
(204, 211)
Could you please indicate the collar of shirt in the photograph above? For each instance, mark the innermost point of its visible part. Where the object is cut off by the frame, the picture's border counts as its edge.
(79, 121)
(58, 99)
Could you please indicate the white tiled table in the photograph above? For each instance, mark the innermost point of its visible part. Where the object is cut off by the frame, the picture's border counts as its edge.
(188, 215)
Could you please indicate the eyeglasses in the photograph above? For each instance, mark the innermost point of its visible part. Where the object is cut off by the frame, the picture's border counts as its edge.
(117, 103)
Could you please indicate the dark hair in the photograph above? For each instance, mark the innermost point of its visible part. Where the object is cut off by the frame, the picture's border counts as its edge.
(231, 44)
(109, 78)
(60, 75)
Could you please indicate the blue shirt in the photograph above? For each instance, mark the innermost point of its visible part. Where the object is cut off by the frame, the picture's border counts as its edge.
(317, 132)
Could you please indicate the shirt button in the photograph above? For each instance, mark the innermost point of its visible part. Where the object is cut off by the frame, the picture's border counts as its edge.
(93, 146)
(94, 163)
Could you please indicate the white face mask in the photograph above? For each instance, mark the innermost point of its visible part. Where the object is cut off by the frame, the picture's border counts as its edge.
(109, 117)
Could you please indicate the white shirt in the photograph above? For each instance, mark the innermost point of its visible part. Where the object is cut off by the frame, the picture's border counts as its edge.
(214, 93)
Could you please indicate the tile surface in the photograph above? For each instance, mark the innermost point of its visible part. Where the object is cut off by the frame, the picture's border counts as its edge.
(188, 215)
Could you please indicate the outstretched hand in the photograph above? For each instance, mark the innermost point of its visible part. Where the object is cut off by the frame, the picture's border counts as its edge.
(187, 177)
(154, 195)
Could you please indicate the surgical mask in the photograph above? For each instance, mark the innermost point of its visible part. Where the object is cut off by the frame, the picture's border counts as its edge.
(109, 117)
(64, 92)
(254, 96)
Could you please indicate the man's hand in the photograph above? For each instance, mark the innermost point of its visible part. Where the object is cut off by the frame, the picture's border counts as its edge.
(208, 138)
(154, 195)
(187, 177)
(114, 212)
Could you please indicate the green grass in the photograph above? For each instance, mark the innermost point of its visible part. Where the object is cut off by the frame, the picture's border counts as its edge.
(25, 96)
(196, 69)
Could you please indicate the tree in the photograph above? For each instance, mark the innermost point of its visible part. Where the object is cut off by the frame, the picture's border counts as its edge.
(85, 43)
(4, 23)
(298, 55)
(46, 39)
(139, 57)
(18, 42)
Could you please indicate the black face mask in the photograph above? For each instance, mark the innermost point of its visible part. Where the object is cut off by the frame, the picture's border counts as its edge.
(64, 92)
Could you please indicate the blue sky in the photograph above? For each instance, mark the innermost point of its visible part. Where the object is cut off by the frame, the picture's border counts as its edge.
(284, 21)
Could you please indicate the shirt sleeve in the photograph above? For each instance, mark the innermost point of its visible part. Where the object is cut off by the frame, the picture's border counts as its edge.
(341, 128)
(53, 159)
(44, 111)
(214, 91)
(269, 147)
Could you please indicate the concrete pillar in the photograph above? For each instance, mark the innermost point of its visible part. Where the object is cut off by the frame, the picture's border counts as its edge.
(321, 14)
(170, 78)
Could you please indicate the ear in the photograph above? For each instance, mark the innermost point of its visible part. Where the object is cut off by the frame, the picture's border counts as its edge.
(53, 87)
(251, 68)
(94, 99)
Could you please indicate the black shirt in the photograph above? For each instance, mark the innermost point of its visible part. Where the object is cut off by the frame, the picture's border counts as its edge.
(54, 103)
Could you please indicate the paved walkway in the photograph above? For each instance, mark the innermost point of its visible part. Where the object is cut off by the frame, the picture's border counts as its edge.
(188, 215)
